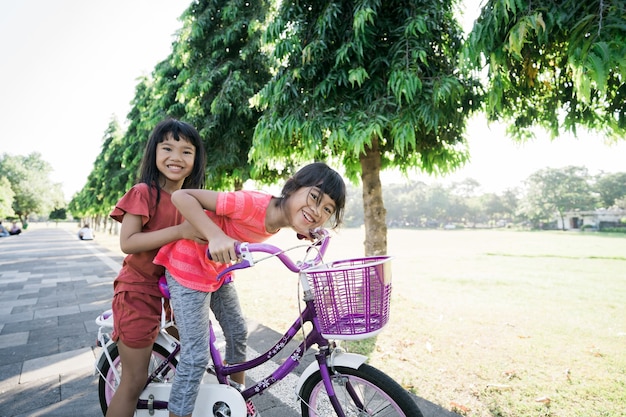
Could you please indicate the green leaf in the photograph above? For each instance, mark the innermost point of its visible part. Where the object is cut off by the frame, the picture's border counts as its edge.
(357, 76)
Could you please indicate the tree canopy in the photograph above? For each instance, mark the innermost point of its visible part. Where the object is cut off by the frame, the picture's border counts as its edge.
(553, 191)
(219, 66)
(559, 65)
(25, 185)
(611, 188)
(368, 85)
(534, 203)
(6, 198)
(372, 85)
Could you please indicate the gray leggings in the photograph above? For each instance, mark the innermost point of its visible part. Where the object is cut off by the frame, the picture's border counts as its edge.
(192, 313)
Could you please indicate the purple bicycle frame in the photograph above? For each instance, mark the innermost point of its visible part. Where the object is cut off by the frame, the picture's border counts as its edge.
(313, 337)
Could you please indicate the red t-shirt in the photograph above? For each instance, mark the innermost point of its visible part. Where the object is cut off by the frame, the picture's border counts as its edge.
(138, 272)
(241, 215)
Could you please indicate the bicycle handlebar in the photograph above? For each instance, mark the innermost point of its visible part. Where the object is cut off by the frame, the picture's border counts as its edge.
(245, 250)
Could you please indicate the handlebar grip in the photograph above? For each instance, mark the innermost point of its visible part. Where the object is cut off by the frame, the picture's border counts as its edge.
(237, 250)
(244, 253)
(244, 263)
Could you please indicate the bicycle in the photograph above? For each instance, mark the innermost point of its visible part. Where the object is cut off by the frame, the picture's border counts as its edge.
(343, 300)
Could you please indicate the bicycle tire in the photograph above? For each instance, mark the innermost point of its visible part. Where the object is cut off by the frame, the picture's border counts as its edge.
(107, 384)
(381, 395)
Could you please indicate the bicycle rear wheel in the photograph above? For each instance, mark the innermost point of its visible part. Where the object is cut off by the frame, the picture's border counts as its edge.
(108, 384)
(376, 393)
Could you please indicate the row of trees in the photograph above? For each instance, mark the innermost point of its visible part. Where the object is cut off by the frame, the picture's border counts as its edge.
(544, 195)
(569, 189)
(368, 85)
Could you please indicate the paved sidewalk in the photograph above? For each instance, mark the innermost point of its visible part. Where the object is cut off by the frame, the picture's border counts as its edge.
(52, 286)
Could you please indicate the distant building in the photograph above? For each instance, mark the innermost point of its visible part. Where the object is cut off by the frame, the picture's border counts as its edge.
(596, 219)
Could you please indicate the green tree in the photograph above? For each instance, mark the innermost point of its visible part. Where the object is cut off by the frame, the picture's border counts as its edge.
(403, 203)
(511, 201)
(108, 180)
(611, 188)
(58, 214)
(6, 198)
(437, 205)
(499, 207)
(220, 68)
(554, 64)
(413, 203)
(33, 192)
(493, 207)
(465, 203)
(369, 85)
(552, 191)
(150, 105)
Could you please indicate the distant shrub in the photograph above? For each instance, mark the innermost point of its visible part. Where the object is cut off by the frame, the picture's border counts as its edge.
(614, 230)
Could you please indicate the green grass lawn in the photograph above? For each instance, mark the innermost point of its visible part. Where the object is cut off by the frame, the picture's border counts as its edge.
(488, 322)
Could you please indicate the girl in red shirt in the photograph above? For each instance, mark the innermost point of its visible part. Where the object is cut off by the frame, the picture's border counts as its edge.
(174, 158)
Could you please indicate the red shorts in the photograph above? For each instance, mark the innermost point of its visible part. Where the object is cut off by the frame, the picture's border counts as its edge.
(136, 318)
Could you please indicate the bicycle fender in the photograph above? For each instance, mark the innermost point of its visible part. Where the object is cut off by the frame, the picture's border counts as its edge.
(348, 360)
(161, 340)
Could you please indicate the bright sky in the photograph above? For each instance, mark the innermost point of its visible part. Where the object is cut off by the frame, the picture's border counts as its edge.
(68, 66)
(498, 163)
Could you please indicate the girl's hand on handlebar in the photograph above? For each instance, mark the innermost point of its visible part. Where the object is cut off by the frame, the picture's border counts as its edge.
(222, 249)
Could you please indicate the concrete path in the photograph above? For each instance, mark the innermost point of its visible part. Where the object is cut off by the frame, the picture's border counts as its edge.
(52, 286)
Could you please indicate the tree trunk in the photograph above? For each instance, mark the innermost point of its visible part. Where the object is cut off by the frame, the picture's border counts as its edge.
(373, 207)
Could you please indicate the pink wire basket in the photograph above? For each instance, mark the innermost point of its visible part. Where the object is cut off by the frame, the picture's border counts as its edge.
(352, 296)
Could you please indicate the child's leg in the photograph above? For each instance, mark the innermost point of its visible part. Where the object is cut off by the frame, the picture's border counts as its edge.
(137, 319)
(135, 363)
(192, 311)
(225, 306)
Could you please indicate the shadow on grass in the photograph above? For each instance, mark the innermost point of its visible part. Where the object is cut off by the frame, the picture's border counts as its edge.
(363, 347)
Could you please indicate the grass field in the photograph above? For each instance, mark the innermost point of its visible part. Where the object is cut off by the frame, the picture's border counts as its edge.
(486, 323)
(489, 323)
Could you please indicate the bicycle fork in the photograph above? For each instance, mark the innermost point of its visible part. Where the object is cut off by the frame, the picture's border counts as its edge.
(325, 362)
(330, 390)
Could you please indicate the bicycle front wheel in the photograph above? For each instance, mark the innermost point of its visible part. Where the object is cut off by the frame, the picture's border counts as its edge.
(365, 391)
(107, 384)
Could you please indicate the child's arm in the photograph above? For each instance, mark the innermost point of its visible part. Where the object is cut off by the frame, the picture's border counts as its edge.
(134, 240)
(191, 203)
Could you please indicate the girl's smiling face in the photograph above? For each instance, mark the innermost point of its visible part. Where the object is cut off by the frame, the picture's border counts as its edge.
(309, 208)
(174, 160)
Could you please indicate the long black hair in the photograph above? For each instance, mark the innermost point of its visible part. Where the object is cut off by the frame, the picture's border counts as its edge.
(150, 174)
(319, 175)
